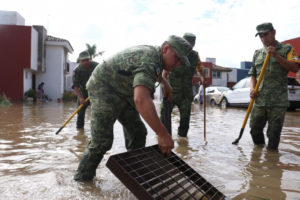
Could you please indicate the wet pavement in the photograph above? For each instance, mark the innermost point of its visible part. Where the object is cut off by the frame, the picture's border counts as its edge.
(37, 164)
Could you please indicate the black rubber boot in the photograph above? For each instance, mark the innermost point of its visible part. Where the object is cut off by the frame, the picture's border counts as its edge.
(182, 132)
(87, 167)
(273, 144)
(258, 139)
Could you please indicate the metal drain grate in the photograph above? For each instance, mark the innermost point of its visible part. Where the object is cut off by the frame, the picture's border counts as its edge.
(150, 175)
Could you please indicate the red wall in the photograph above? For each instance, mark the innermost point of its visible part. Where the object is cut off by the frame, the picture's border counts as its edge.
(15, 52)
(296, 44)
(208, 80)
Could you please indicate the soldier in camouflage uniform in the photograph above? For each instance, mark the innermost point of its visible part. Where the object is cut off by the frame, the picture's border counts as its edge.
(180, 80)
(120, 89)
(81, 75)
(272, 98)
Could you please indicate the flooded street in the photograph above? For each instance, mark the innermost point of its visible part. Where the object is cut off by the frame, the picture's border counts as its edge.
(37, 164)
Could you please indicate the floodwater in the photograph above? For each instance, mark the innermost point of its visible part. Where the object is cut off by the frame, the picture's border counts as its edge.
(37, 164)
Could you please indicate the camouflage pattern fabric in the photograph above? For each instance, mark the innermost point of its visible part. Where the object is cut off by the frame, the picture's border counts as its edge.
(181, 77)
(275, 118)
(111, 95)
(140, 65)
(184, 106)
(272, 100)
(273, 88)
(111, 89)
(180, 80)
(104, 114)
(80, 77)
(81, 114)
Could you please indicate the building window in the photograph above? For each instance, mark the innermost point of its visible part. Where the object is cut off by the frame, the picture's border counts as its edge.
(206, 72)
(216, 74)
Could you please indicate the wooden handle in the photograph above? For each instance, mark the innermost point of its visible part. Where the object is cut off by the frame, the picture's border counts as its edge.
(73, 114)
(262, 72)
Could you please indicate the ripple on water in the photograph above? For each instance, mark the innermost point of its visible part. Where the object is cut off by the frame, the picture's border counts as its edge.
(37, 164)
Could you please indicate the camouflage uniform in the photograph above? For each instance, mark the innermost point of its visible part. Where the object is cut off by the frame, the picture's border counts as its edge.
(111, 94)
(272, 100)
(80, 77)
(180, 80)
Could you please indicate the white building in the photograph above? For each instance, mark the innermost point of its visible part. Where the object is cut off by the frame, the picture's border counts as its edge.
(219, 74)
(11, 18)
(69, 76)
(57, 67)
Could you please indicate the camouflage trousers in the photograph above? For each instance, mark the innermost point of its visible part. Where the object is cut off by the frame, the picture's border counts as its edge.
(81, 114)
(184, 106)
(275, 118)
(107, 107)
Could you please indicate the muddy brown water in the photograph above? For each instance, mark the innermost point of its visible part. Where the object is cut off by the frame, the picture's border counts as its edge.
(37, 164)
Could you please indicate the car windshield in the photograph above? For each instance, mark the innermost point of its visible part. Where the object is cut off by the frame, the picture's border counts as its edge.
(244, 83)
(222, 89)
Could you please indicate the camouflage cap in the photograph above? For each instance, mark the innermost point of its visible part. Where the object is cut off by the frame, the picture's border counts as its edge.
(181, 47)
(191, 38)
(84, 55)
(263, 28)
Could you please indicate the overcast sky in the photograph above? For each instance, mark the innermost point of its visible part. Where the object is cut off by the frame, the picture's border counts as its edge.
(225, 29)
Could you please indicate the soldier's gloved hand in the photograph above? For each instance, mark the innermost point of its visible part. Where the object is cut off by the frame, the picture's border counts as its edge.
(165, 143)
(253, 94)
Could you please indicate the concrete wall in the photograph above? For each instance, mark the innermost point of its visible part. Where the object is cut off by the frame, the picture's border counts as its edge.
(34, 50)
(54, 75)
(69, 76)
(15, 56)
(220, 81)
(27, 80)
(11, 18)
(242, 73)
(232, 76)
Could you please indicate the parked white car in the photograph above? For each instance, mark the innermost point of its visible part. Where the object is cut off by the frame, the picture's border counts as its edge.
(213, 94)
(239, 96)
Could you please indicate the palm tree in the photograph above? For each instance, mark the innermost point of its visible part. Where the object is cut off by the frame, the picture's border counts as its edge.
(92, 49)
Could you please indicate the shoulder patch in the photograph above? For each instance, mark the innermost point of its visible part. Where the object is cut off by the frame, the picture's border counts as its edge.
(293, 56)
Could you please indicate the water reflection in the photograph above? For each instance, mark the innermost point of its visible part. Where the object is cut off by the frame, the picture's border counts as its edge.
(37, 164)
(265, 175)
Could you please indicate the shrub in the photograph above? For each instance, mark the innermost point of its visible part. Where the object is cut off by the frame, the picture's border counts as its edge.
(4, 101)
(30, 93)
(68, 96)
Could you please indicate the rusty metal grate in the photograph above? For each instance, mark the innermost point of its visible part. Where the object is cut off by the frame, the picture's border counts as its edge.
(150, 175)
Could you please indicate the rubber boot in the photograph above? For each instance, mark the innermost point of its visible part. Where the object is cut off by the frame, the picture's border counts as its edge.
(182, 132)
(87, 167)
(258, 139)
(273, 144)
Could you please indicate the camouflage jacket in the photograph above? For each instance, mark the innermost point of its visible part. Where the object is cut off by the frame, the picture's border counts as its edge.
(81, 75)
(181, 78)
(273, 90)
(139, 65)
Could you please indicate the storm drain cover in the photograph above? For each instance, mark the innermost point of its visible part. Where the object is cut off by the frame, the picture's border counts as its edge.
(148, 174)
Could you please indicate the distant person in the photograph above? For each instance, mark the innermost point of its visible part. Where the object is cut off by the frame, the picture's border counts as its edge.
(121, 88)
(81, 75)
(41, 93)
(201, 93)
(271, 101)
(181, 82)
(40, 90)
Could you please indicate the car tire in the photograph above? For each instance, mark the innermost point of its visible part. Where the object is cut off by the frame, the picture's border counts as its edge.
(224, 103)
(212, 102)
